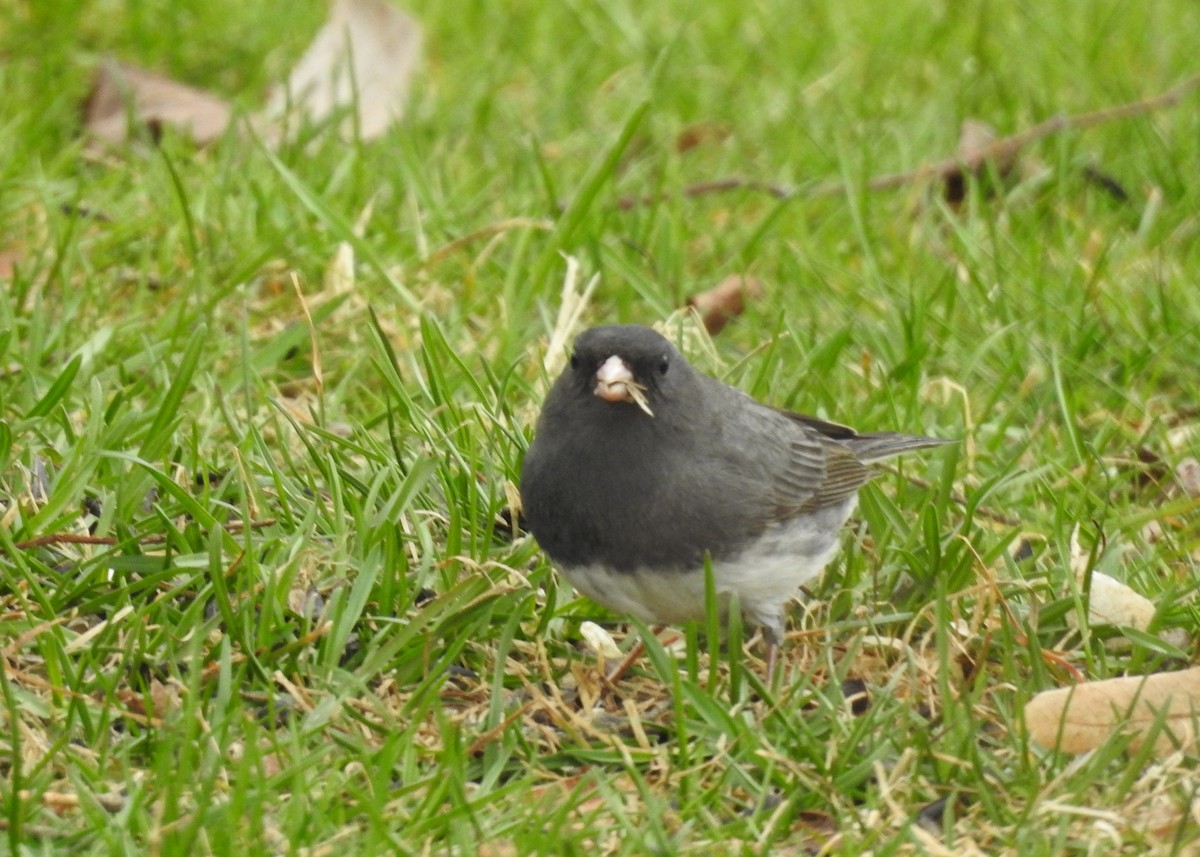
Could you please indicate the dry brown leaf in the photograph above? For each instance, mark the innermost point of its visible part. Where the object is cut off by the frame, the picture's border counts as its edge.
(1082, 717)
(701, 134)
(306, 602)
(164, 696)
(725, 301)
(815, 830)
(599, 640)
(364, 56)
(124, 96)
(1111, 602)
(60, 802)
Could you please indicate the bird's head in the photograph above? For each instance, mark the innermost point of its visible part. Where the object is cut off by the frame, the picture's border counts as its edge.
(625, 364)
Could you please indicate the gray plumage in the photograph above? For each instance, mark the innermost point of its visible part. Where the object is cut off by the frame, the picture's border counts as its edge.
(628, 503)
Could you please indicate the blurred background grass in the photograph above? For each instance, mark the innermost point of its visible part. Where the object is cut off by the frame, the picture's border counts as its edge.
(368, 666)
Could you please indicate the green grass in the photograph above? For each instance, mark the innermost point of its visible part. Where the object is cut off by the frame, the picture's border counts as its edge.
(311, 636)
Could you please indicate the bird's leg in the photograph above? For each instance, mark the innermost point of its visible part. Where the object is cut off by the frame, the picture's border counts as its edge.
(772, 638)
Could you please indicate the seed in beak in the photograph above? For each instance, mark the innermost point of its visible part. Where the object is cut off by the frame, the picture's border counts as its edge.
(615, 383)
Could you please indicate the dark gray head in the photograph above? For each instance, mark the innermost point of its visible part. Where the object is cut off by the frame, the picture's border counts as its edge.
(622, 366)
(617, 433)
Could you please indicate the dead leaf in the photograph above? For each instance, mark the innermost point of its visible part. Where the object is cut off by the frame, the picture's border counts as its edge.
(1082, 717)
(725, 301)
(816, 821)
(365, 57)
(305, 602)
(164, 696)
(162, 699)
(124, 96)
(1111, 602)
(61, 802)
(701, 134)
(599, 640)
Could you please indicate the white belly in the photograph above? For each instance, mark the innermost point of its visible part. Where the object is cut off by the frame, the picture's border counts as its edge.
(764, 576)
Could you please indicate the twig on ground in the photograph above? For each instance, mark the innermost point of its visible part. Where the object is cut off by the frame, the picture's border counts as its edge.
(1000, 150)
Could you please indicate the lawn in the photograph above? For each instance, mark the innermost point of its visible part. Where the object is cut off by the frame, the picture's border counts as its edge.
(262, 413)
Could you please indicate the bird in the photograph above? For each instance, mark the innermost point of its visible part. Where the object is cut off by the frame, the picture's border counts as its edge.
(642, 470)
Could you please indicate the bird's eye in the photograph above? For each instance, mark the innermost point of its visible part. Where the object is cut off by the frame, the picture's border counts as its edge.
(664, 363)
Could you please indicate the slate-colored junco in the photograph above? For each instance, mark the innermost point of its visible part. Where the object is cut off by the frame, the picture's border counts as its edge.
(640, 466)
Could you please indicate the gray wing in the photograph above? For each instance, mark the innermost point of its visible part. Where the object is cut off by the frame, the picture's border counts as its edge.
(819, 472)
(818, 463)
(793, 464)
(868, 448)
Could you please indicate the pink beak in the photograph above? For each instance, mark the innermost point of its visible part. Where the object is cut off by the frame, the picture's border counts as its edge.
(613, 380)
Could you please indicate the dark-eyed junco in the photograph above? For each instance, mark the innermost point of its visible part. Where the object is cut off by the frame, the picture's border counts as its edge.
(641, 466)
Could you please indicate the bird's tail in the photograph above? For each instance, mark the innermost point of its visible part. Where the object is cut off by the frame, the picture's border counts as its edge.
(885, 444)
